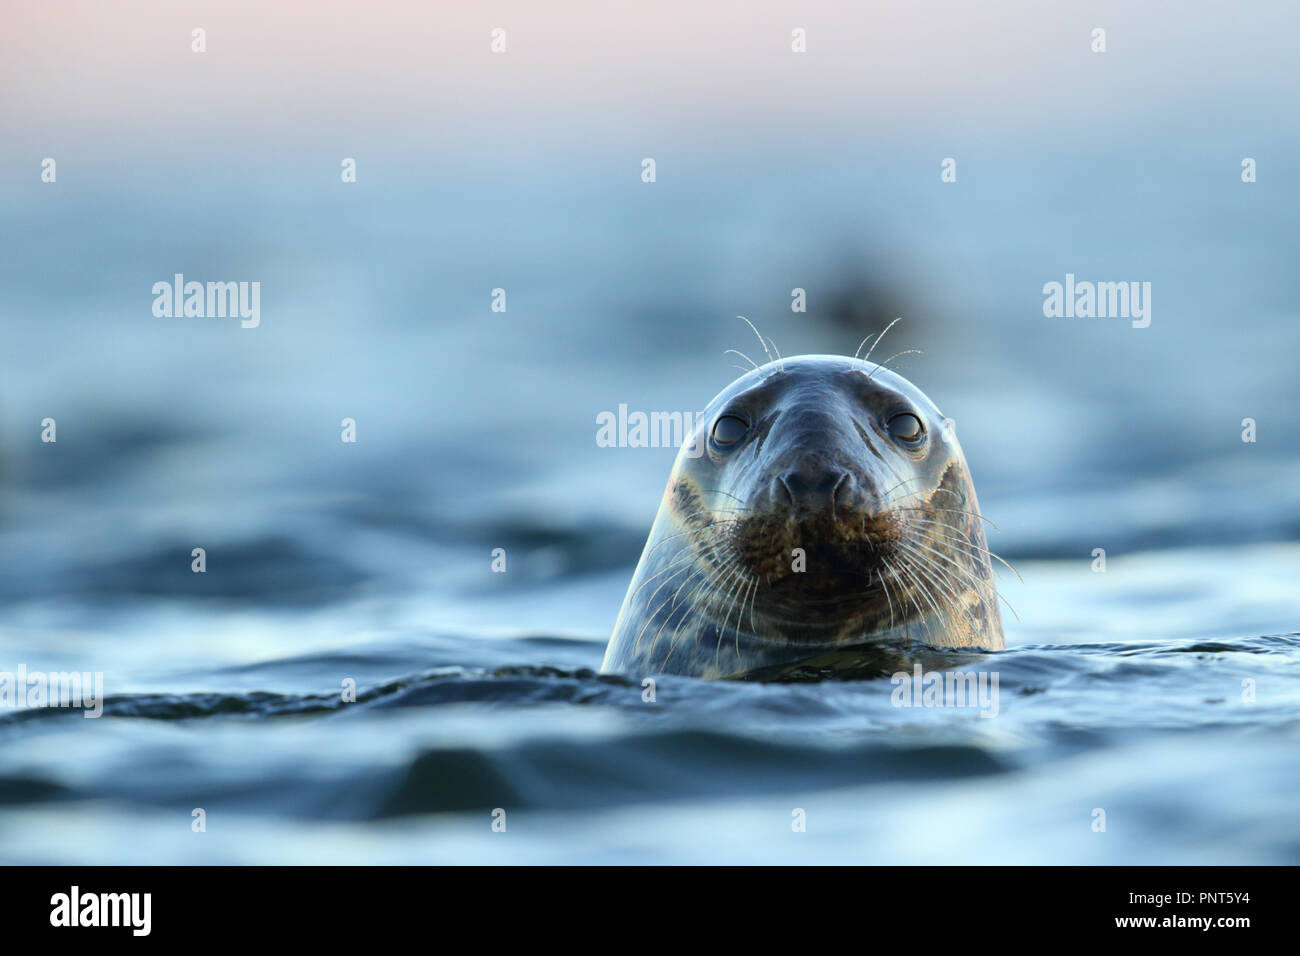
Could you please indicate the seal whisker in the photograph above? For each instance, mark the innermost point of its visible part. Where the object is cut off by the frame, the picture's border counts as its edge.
(1003, 599)
(761, 342)
(903, 571)
(913, 571)
(885, 363)
(714, 583)
(932, 580)
(780, 362)
(672, 639)
(740, 614)
(678, 561)
(956, 511)
(944, 578)
(737, 570)
(978, 585)
(962, 543)
(968, 577)
(659, 544)
(698, 530)
(928, 586)
(907, 481)
(884, 583)
(857, 350)
(884, 586)
(966, 542)
(924, 587)
(1000, 596)
(753, 601)
(937, 575)
(744, 356)
(900, 593)
(903, 592)
(673, 610)
(719, 491)
(651, 616)
(719, 631)
(704, 581)
(702, 525)
(918, 543)
(714, 510)
(867, 357)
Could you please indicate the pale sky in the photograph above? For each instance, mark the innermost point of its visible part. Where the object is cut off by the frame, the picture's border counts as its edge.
(120, 70)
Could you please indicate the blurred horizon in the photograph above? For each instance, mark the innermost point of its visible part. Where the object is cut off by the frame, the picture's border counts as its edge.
(71, 69)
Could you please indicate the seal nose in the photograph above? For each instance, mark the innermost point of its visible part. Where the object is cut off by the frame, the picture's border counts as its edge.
(814, 489)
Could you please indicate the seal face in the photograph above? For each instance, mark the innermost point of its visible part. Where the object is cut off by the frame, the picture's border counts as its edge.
(823, 503)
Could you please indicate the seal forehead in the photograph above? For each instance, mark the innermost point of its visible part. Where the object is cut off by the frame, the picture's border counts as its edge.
(811, 375)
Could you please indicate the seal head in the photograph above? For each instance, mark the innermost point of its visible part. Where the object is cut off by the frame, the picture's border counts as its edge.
(823, 503)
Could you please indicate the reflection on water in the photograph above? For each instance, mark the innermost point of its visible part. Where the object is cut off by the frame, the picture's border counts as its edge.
(569, 754)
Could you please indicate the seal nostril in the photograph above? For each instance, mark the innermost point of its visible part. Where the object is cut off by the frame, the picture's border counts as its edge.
(814, 489)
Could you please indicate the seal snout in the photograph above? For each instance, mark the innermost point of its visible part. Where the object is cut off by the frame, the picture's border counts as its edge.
(810, 489)
(814, 489)
(818, 506)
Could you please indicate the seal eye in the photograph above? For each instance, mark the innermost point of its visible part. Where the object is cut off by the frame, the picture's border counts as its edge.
(906, 429)
(729, 429)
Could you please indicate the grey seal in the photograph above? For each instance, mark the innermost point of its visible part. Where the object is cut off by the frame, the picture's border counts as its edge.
(827, 505)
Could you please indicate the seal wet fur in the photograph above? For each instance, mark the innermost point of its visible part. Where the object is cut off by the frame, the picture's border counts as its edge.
(823, 504)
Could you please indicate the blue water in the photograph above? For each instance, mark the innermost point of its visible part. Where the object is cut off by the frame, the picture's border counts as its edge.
(1120, 690)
